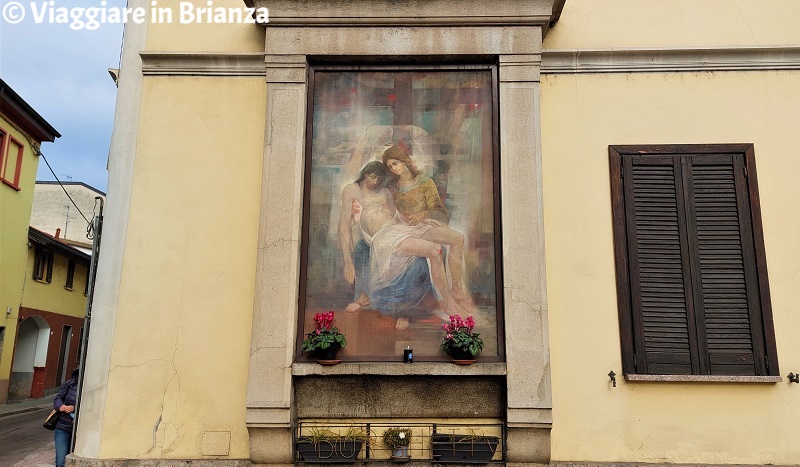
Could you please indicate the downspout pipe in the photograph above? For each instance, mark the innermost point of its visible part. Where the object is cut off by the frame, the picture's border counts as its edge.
(98, 234)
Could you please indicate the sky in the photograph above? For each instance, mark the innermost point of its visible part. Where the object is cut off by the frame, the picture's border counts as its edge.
(63, 74)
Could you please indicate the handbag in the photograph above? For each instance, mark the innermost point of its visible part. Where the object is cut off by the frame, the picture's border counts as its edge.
(52, 419)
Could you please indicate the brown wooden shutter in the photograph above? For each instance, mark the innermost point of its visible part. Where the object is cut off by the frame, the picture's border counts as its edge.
(660, 279)
(691, 268)
(727, 303)
(38, 263)
(50, 258)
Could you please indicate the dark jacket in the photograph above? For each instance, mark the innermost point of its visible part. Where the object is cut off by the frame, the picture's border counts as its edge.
(66, 396)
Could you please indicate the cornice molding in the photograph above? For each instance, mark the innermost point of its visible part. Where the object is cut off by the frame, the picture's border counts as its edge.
(410, 13)
(746, 58)
(202, 64)
(355, 21)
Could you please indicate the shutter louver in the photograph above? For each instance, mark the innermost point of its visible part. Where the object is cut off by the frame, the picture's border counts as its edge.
(660, 272)
(721, 246)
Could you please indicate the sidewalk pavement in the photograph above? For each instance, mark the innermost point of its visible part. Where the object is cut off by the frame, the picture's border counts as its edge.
(28, 405)
(42, 457)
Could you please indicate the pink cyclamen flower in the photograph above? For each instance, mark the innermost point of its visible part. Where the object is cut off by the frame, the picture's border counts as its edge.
(470, 323)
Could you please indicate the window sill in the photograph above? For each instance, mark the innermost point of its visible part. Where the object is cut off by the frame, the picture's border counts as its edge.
(41, 281)
(399, 369)
(69, 288)
(11, 184)
(702, 379)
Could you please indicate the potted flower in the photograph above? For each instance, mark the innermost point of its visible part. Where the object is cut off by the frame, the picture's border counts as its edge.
(325, 340)
(398, 439)
(460, 342)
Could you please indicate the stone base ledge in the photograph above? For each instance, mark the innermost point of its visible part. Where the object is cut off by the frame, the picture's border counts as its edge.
(701, 379)
(400, 369)
(642, 464)
(73, 460)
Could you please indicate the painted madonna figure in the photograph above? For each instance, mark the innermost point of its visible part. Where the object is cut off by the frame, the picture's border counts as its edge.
(414, 192)
(417, 200)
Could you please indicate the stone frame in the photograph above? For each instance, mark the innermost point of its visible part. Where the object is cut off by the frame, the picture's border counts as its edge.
(290, 41)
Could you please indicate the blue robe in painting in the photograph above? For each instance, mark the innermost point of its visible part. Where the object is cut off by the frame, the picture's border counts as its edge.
(403, 295)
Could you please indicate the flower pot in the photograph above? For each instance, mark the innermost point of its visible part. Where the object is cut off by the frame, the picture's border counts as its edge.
(463, 448)
(461, 357)
(327, 356)
(334, 451)
(400, 454)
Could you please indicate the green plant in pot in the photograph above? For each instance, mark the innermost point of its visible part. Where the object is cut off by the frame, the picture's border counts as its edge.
(460, 342)
(469, 448)
(398, 439)
(323, 445)
(325, 340)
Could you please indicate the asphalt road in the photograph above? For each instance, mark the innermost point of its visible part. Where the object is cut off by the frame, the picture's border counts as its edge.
(23, 441)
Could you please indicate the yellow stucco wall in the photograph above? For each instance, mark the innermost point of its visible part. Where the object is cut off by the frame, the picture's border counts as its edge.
(581, 116)
(203, 36)
(182, 338)
(587, 24)
(53, 296)
(15, 212)
(662, 422)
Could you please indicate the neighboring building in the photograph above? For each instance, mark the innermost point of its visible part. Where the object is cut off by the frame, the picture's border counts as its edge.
(655, 324)
(50, 317)
(22, 130)
(53, 210)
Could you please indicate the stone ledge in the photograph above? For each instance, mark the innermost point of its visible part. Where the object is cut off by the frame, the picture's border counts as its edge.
(689, 59)
(73, 460)
(388, 13)
(642, 464)
(702, 379)
(400, 369)
(202, 64)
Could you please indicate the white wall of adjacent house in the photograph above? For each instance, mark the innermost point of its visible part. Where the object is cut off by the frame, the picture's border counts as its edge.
(53, 210)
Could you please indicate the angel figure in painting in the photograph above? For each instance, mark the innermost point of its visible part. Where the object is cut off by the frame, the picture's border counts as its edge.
(404, 259)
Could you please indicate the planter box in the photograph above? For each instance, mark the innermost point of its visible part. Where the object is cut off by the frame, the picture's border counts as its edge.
(340, 451)
(463, 448)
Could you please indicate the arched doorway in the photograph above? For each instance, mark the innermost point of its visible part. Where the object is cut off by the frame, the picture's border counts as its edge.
(30, 357)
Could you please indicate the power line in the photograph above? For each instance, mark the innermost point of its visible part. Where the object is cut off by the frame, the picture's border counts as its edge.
(62, 186)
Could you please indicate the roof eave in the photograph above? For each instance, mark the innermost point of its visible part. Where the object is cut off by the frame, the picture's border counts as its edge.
(20, 112)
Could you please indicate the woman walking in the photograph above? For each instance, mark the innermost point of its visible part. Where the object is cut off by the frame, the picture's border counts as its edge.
(65, 403)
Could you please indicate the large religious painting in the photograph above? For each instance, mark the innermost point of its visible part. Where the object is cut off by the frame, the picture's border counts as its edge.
(401, 222)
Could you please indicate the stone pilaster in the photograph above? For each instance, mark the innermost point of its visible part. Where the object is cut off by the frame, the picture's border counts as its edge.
(269, 389)
(529, 398)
